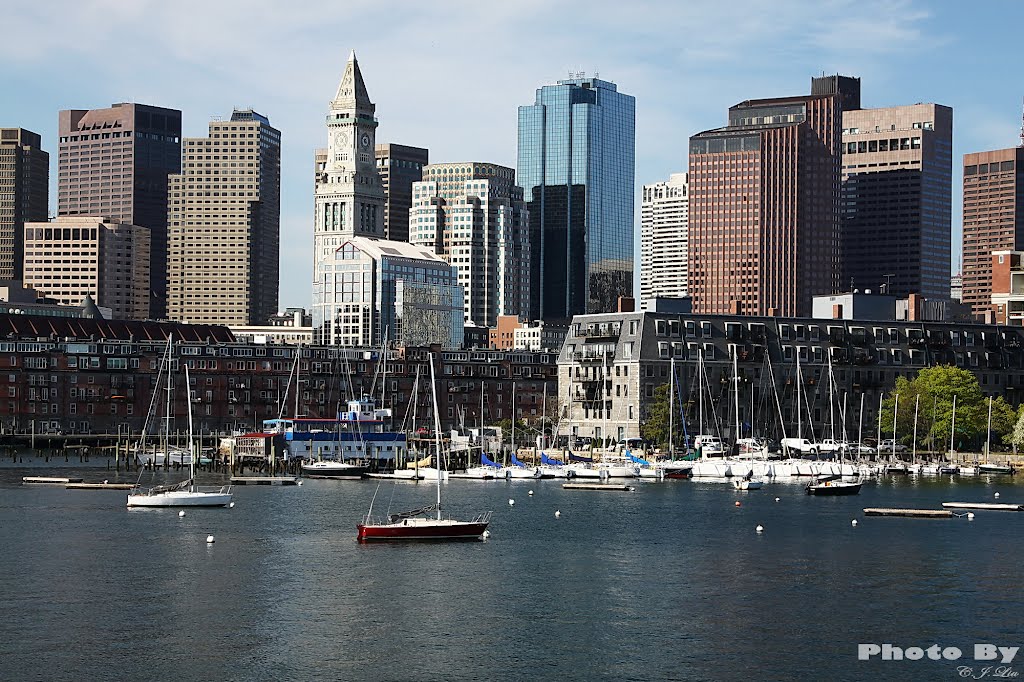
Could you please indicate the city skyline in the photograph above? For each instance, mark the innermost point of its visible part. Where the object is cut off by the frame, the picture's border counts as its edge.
(681, 85)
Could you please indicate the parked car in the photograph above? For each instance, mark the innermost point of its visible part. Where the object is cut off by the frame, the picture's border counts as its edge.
(889, 445)
(857, 449)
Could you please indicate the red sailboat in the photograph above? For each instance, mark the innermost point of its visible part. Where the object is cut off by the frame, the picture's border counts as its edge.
(426, 523)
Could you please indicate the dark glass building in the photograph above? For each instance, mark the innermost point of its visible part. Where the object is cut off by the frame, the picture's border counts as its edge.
(114, 163)
(576, 167)
(24, 194)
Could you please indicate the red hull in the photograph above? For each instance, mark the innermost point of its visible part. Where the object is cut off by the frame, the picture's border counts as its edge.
(420, 531)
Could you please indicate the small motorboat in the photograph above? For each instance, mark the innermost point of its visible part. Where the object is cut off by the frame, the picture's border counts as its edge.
(833, 485)
(748, 482)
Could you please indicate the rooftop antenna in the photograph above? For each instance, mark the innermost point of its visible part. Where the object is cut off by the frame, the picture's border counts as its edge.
(1022, 123)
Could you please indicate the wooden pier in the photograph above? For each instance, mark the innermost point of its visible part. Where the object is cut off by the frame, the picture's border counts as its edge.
(99, 486)
(264, 480)
(597, 486)
(916, 513)
(50, 480)
(992, 506)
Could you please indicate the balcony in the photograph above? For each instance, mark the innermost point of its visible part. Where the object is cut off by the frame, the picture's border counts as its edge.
(601, 331)
(590, 355)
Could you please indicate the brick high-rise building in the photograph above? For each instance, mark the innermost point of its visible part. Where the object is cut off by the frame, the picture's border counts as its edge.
(896, 199)
(24, 193)
(764, 207)
(224, 225)
(993, 218)
(399, 166)
(115, 162)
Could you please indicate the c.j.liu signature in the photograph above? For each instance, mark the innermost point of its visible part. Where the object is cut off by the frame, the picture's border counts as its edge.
(1003, 672)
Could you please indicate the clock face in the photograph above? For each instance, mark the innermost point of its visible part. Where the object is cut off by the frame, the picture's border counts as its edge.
(365, 141)
(340, 138)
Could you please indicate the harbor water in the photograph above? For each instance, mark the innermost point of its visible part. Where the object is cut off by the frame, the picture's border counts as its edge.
(667, 582)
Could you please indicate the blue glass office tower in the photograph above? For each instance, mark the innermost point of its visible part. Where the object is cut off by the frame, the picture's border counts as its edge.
(576, 167)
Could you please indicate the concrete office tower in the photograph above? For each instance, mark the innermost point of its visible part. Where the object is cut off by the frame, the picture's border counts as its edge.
(993, 218)
(24, 194)
(224, 224)
(399, 166)
(896, 199)
(115, 162)
(576, 166)
(764, 207)
(472, 215)
(77, 256)
(349, 197)
(664, 214)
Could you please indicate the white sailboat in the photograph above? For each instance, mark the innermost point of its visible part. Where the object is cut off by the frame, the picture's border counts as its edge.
(705, 467)
(186, 493)
(747, 480)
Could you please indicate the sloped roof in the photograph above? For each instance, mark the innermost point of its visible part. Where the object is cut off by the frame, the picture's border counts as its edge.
(381, 248)
(39, 326)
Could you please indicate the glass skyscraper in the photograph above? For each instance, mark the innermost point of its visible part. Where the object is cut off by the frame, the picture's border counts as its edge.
(576, 167)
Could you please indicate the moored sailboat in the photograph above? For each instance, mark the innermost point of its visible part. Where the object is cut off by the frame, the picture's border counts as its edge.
(425, 523)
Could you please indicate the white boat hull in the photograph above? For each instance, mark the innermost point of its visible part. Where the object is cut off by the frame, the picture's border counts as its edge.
(180, 498)
(476, 474)
(517, 473)
(711, 470)
(747, 485)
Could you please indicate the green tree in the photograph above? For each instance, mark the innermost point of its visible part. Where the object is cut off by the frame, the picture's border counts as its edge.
(655, 428)
(1016, 437)
(936, 387)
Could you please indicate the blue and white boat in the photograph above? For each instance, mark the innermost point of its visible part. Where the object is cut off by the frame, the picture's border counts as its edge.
(344, 447)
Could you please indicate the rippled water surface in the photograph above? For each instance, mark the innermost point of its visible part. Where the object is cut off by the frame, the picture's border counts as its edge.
(669, 581)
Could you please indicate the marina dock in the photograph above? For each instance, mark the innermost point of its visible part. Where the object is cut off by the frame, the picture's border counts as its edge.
(916, 513)
(596, 486)
(77, 485)
(992, 506)
(264, 480)
(49, 479)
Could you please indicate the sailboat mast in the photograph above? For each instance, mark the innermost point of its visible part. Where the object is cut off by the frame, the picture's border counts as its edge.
(700, 391)
(895, 413)
(831, 397)
(167, 409)
(799, 390)
(952, 430)
(736, 393)
(860, 423)
(917, 404)
(437, 432)
(671, 400)
(988, 430)
(513, 439)
(191, 451)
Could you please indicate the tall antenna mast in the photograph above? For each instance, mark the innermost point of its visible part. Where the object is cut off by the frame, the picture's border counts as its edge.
(1022, 123)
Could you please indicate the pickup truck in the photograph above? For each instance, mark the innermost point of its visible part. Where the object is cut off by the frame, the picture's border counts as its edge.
(800, 446)
(888, 446)
(831, 446)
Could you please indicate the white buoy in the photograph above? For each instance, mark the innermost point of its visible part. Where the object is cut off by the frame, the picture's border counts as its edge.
(777, 499)
(557, 513)
(760, 529)
(299, 483)
(181, 513)
(511, 502)
(530, 492)
(854, 522)
(487, 534)
(970, 516)
(105, 481)
(997, 494)
(209, 539)
(231, 505)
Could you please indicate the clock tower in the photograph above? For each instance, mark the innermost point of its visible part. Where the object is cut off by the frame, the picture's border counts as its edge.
(349, 194)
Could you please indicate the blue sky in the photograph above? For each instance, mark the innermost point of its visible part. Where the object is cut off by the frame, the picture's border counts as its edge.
(450, 75)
